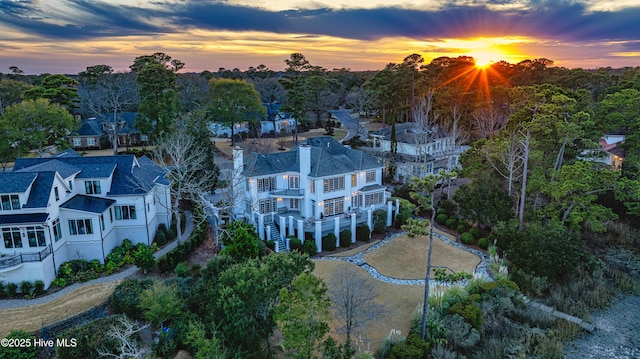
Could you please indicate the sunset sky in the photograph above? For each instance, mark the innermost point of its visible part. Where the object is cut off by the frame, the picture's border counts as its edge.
(66, 36)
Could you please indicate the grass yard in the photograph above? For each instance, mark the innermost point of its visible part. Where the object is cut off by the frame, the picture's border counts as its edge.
(406, 258)
(31, 318)
(400, 302)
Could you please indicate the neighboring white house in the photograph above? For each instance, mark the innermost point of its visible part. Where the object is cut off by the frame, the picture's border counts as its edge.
(420, 152)
(316, 188)
(66, 207)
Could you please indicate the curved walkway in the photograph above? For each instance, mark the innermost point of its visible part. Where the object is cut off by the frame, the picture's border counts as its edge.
(482, 270)
(17, 303)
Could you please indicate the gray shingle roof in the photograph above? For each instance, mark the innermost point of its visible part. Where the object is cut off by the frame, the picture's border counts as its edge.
(23, 218)
(64, 169)
(88, 204)
(127, 177)
(41, 190)
(328, 157)
(16, 182)
(408, 132)
(90, 127)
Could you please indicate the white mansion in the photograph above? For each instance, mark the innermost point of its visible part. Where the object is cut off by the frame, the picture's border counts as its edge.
(318, 187)
(67, 207)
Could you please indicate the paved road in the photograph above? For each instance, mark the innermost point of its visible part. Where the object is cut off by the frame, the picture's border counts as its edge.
(352, 125)
(17, 303)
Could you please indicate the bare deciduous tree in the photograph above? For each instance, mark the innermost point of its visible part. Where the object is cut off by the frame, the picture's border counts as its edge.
(125, 332)
(354, 301)
(186, 166)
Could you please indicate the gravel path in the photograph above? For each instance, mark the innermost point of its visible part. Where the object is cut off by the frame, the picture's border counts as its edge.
(617, 333)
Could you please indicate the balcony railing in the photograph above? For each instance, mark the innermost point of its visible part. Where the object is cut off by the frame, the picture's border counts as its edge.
(11, 261)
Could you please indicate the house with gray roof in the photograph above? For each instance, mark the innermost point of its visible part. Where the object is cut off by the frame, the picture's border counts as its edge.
(419, 152)
(65, 207)
(94, 133)
(318, 187)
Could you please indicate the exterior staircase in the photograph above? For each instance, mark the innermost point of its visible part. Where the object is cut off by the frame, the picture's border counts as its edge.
(275, 235)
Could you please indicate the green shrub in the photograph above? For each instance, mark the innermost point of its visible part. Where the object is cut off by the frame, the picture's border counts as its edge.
(490, 287)
(20, 352)
(345, 238)
(181, 270)
(162, 228)
(476, 232)
(461, 228)
(26, 287)
(160, 238)
(470, 312)
(144, 258)
(483, 243)
(295, 243)
(110, 267)
(413, 347)
(125, 297)
(447, 206)
(329, 242)
(441, 219)
(171, 235)
(271, 244)
(309, 248)
(2, 290)
(467, 238)
(451, 223)
(126, 245)
(363, 233)
(406, 209)
(379, 221)
(96, 266)
(59, 283)
(11, 289)
(168, 262)
(38, 287)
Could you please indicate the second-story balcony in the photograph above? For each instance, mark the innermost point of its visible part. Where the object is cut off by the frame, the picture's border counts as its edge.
(287, 193)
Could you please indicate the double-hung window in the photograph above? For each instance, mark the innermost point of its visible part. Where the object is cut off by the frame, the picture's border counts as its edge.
(12, 238)
(57, 230)
(125, 212)
(92, 187)
(80, 226)
(35, 235)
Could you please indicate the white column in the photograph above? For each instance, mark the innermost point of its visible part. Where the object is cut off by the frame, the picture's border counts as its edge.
(283, 228)
(370, 220)
(261, 226)
(353, 228)
(319, 236)
(291, 225)
(268, 229)
(389, 214)
(397, 208)
(336, 230)
(301, 230)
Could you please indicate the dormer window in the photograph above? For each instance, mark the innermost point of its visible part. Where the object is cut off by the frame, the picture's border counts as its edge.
(10, 202)
(56, 193)
(92, 187)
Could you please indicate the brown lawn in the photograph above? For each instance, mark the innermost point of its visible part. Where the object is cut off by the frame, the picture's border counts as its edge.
(400, 302)
(32, 318)
(406, 257)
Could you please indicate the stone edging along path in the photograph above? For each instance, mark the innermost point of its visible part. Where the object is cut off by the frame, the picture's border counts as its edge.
(482, 269)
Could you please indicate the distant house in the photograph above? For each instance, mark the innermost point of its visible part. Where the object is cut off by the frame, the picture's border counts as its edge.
(90, 135)
(420, 152)
(610, 152)
(271, 125)
(95, 132)
(318, 187)
(65, 207)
